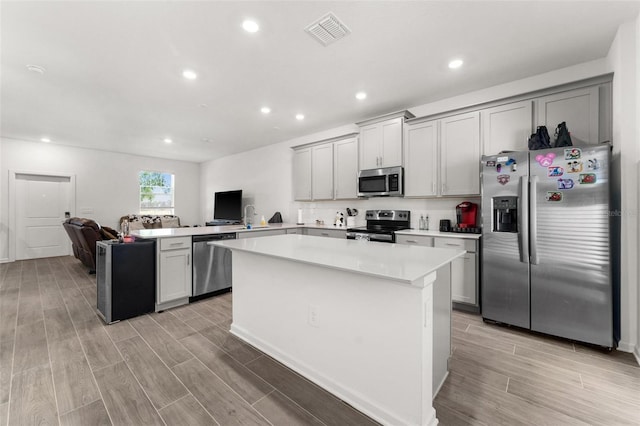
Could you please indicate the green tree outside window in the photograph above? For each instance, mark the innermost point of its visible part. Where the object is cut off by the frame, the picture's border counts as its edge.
(156, 192)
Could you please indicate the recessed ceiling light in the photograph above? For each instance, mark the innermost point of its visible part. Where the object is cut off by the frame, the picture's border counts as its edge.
(265, 110)
(47, 140)
(167, 140)
(299, 116)
(189, 74)
(36, 68)
(361, 95)
(456, 63)
(250, 26)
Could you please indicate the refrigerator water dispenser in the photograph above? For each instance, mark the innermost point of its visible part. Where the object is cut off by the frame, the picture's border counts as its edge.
(505, 214)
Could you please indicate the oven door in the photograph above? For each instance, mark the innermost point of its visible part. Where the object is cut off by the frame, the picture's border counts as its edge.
(355, 235)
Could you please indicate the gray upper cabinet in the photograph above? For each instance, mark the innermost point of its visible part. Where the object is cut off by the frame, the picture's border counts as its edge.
(421, 159)
(322, 172)
(578, 108)
(326, 170)
(507, 127)
(345, 165)
(381, 141)
(302, 174)
(441, 153)
(460, 154)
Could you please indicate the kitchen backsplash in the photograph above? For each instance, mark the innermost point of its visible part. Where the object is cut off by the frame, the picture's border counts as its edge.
(436, 209)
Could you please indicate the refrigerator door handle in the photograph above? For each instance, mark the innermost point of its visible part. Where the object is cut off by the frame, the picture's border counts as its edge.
(533, 221)
(523, 219)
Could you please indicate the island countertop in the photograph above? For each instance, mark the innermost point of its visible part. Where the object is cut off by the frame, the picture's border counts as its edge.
(398, 262)
(225, 229)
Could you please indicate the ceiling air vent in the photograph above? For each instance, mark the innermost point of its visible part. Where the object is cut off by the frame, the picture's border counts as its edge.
(327, 29)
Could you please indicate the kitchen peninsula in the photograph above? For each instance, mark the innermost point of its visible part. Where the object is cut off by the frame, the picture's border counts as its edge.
(369, 322)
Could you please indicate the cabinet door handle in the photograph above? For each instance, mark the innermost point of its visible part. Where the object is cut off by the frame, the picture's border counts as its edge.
(453, 245)
(433, 187)
(412, 241)
(326, 234)
(188, 259)
(176, 244)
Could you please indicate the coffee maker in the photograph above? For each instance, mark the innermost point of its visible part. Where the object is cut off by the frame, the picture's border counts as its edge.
(466, 215)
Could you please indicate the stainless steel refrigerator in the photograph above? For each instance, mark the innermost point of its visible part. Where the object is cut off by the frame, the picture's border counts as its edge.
(546, 261)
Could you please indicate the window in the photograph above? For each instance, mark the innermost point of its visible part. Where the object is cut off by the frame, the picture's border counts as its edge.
(156, 193)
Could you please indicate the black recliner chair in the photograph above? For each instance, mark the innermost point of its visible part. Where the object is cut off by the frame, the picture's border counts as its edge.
(84, 233)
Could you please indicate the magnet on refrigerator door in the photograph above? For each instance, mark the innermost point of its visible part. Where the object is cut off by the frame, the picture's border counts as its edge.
(555, 171)
(503, 179)
(572, 154)
(554, 196)
(565, 183)
(490, 163)
(574, 167)
(587, 178)
(545, 160)
(593, 164)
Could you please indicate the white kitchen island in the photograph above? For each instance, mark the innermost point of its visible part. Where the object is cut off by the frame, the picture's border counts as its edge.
(369, 322)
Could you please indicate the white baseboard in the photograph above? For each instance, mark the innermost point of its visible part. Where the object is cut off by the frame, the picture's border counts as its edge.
(636, 353)
(626, 346)
(5, 260)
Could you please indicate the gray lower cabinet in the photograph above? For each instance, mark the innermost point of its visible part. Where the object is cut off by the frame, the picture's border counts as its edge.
(174, 272)
(465, 277)
(416, 240)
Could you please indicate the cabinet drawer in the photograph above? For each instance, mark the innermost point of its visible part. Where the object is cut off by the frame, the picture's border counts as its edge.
(334, 233)
(456, 243)
(260, 233)
(175, 243)
(416, 240)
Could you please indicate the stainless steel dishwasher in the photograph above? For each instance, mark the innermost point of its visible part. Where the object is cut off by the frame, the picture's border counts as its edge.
(211, 265)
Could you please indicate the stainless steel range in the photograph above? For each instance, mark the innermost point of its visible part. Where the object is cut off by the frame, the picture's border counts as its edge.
(381, 225)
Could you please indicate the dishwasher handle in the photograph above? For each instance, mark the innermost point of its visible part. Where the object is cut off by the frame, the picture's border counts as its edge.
(213, 237)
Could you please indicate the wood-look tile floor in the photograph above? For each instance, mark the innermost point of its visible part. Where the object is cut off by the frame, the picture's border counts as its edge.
(59, 364)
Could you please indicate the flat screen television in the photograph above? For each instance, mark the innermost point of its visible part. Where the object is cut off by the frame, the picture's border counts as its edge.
(227, 207)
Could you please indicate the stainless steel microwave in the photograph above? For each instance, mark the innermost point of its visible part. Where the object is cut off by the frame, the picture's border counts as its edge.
(385, 182)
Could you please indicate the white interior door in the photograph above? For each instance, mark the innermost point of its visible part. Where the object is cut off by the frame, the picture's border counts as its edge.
(41, 203)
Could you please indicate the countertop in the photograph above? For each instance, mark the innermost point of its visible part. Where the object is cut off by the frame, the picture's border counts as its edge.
(207, 230)
(398, 262)
(439, 234)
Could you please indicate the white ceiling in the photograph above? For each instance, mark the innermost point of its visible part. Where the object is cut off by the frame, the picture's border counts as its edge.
(113, 69)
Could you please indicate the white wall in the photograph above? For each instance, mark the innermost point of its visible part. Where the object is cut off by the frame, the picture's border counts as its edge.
(622, 60)
(106, 182)
(637, 141)
(263, 175)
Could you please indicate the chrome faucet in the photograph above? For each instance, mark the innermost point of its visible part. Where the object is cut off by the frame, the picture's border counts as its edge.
(248, 220)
